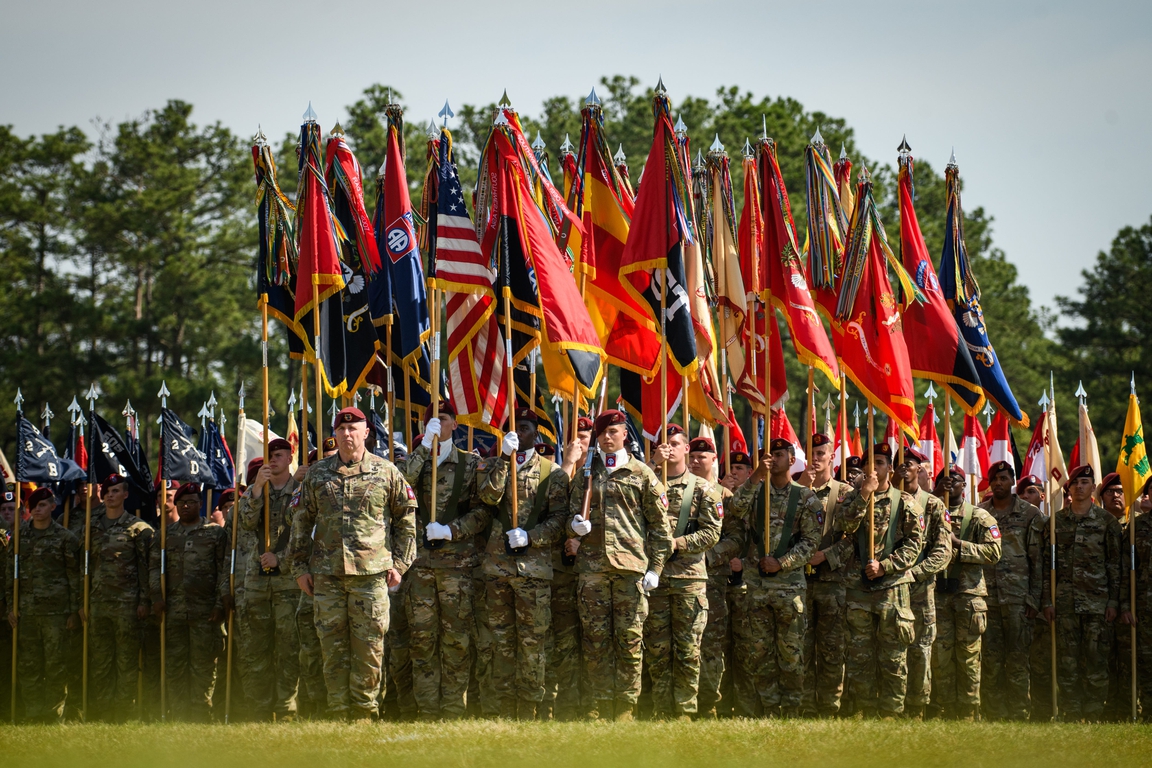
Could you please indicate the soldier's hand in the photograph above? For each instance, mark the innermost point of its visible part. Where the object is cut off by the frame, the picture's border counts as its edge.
(263, 475)
(873, 570)
(817, 558)
(769, 564)
(807, 477)
(431, 432)
(159, 607)
(305, 582)
(299, 474)
(736, 564)
(868, 484)
(580, 526)
(661, 453)
(1127, 618)
(268, 561)
(729, 482)
(392, 577)
(571, 546)
(761, 470)
(141, 612)
(573, 452)
(1109, 615)
(229, 604)
(73, 622)
(83, 616)
(1050, 614)
(956, 542)
(12, 620)
(1031, 613)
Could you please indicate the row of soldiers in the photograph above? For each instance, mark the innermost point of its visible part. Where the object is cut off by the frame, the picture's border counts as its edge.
(597, 586)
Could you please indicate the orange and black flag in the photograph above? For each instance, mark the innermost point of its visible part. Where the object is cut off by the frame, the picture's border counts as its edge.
(319, 274)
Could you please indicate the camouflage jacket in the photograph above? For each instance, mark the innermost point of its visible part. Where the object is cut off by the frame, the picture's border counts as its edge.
(748, 506)
(979, 547)
(936, 551)
(246, 544)
(195, 568)
(494, 478)
(50, 578)
(118, 561)
(1143, 569)
(908, 539)
(837, 547)
(250, 511)
(1088, 555)
(468, 518)
(353, 519)
(628, 512)
(731, 543)
(1009, 580)
(701, 530)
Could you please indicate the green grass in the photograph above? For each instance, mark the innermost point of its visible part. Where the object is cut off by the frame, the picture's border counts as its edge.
(736, 743)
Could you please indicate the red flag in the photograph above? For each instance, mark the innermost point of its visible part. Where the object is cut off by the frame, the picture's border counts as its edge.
(930, 442)
(974, 451)
(640, 397)
(857, 444)
(999, 439)
(318, 242)
(80, 450)
(781, 427)
(736, 439)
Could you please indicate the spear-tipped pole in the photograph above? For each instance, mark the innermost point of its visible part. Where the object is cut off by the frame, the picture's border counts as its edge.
(46, 416)
(163, 395)
(15, 609)
(1132, 580)
(91, 396)
(1045, 401)
(232, 556)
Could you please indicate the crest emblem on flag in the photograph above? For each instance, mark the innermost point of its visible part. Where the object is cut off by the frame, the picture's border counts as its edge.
(400, 238)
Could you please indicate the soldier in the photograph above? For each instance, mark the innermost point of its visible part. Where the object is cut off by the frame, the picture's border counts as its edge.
(881, 624)
(678, 607)
(738, 691)
(195, 600)
(1088, 543)
(353, 537)
(119, 600)
(853, 469)
(49, 608)
(773, 651)
(962, 607)
(270, 643)
(7, 515)
(1119, 706)
(518, 564)
(1012, 609)
(623, 543)
(1030, 490)
(826, 636)
(934, 557)
(1140, 614)
(566, 689)
(442, 615)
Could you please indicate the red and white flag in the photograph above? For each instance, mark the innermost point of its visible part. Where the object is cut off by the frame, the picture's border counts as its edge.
(974, 451)
(781, 427)
(999, 440)
(930, 442)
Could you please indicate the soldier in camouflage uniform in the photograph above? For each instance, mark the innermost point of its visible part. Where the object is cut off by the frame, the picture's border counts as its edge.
(1119, 705)
(49, 608)
(773, 651)
(517, 564)
(881, 624)
(1012, 609)
(353, 537)
(1088, 554)
(678, 608)
(119, 600)
(826, 636)
(1141, 612)
(270, 640)
(935, 554)
(624, 542)
(1030, 490)
(442, 613)
(194, 602)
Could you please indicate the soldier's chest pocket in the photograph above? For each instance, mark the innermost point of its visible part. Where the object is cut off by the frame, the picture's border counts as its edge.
(118, 546)
(334, 490)
(372, 489)
(625, 489)
(1065, 539)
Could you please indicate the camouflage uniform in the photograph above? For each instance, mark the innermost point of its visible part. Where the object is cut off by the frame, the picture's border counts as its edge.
(565, 681)
(118, 564)
(353, 523)
(1088, 554)
(1007, 641)
(519, 593)
(399, 699)
(962, 612)
(934, 557)
(678, 607)
(237, 563)
(270, 640)
(881, 624)
(773, 651)
(195, 560)
(1040, 653)
(826, 636)
(1142, 610)
(442, 599)
(629, 536)
(714, 646)
(50, 591)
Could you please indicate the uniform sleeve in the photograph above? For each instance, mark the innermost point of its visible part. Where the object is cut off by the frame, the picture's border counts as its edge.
(855, 506)
(477, 520)
(1039, 577)
(1113, 541)
(984, 549)
(575, 501)
(1034, 548)
(550, 529)
(707, 531)
(250, 512)
(801, 552)
(307, 507)
(908, 548)
(939, 553)
(154, 570)
(733, 536)
(72, 557)
(402, 507)
(221, 556)
(142, 544)
(415, 465)
(655, 511)
(840, 550)
(492, 479)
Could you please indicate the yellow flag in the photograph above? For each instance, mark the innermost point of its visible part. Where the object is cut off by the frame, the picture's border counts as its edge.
(1132, 465)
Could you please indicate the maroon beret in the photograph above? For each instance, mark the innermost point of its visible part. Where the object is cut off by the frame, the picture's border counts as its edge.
(112, 481)
(349, 415)
(253, 468)
(820, 439)
(702, 445)
(445, 409)
(1001, 466)
(855, 462)
(279, 444)
(527, 414)
(1084, 470)
(583, 424)
(546, 450)
(1026, 482)
(186, 490)
(883, 449)
(740, 459)
(1110, 479)
(672, 430)
(912, 452)
(780, 444)
(39, 495)
(329, 444)
(607, 419)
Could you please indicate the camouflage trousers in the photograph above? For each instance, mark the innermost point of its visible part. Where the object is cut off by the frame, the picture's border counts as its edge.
(1143, 653)
(113, 661)
(193, 648)
(922, 596)
(774, 649)
(41, 665)
(270, 647)
(1040, 670)
(613, 608)
(1119, 706)
(673, 631)
(397, 649)
(519, 612)
(351, 619)
(825, 644)
(442, 627)
(482, 698)
(313, 688)
(714, 645)
(1082, 645)
(960, 621)
(1004, 661)
(150, 659)
(563, 676)
(745, 700)
(881, 626)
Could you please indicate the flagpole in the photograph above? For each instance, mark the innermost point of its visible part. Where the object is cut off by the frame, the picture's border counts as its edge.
(1052, 539)
(433, 317)
(303, 412)
(947, 449)
(87, 619)
(844, 432)
(264, 375)
(871, 470)
(663, 370)
(769, 319)
(811, 414)
(390, 396)
(163, 395)
(16, 558)
(408, 411)
(1131, 578)
(319, 372)
(232, 552)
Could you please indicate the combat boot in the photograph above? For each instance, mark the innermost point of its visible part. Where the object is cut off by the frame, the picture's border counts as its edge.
(508, 708)
(526, 710)
(914, 712)
(624, 711)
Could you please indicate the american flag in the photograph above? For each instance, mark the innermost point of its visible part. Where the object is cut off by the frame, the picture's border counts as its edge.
(477, 388)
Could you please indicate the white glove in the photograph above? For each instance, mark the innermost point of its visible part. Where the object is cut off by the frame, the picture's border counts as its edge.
(436, 531)
(581, 526)
(431, 432)
(517, 538)
(511, 443)
(651, 581)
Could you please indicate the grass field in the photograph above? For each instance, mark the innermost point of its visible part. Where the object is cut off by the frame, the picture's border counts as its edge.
(587, 745)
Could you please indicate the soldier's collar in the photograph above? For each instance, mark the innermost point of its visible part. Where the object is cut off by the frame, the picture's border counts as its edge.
(614, 461)
(523, 458)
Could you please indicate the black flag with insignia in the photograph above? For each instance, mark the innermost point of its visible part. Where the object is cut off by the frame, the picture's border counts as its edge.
(37, 461)
(180, 459)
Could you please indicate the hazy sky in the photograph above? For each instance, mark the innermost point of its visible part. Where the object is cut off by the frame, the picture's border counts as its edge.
(1047, 104)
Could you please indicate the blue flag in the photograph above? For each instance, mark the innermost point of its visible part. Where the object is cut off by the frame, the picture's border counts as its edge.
(37, 461)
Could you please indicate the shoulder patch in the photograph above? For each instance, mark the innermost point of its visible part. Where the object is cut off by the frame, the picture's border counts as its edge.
(610, 461)
(921, 522)
(664, 499)
(408, 490)
(947, 516)
(720, 509)
(296, 497)
(995, 530)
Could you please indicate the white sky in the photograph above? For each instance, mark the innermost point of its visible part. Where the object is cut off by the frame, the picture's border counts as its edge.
(1047, 104)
